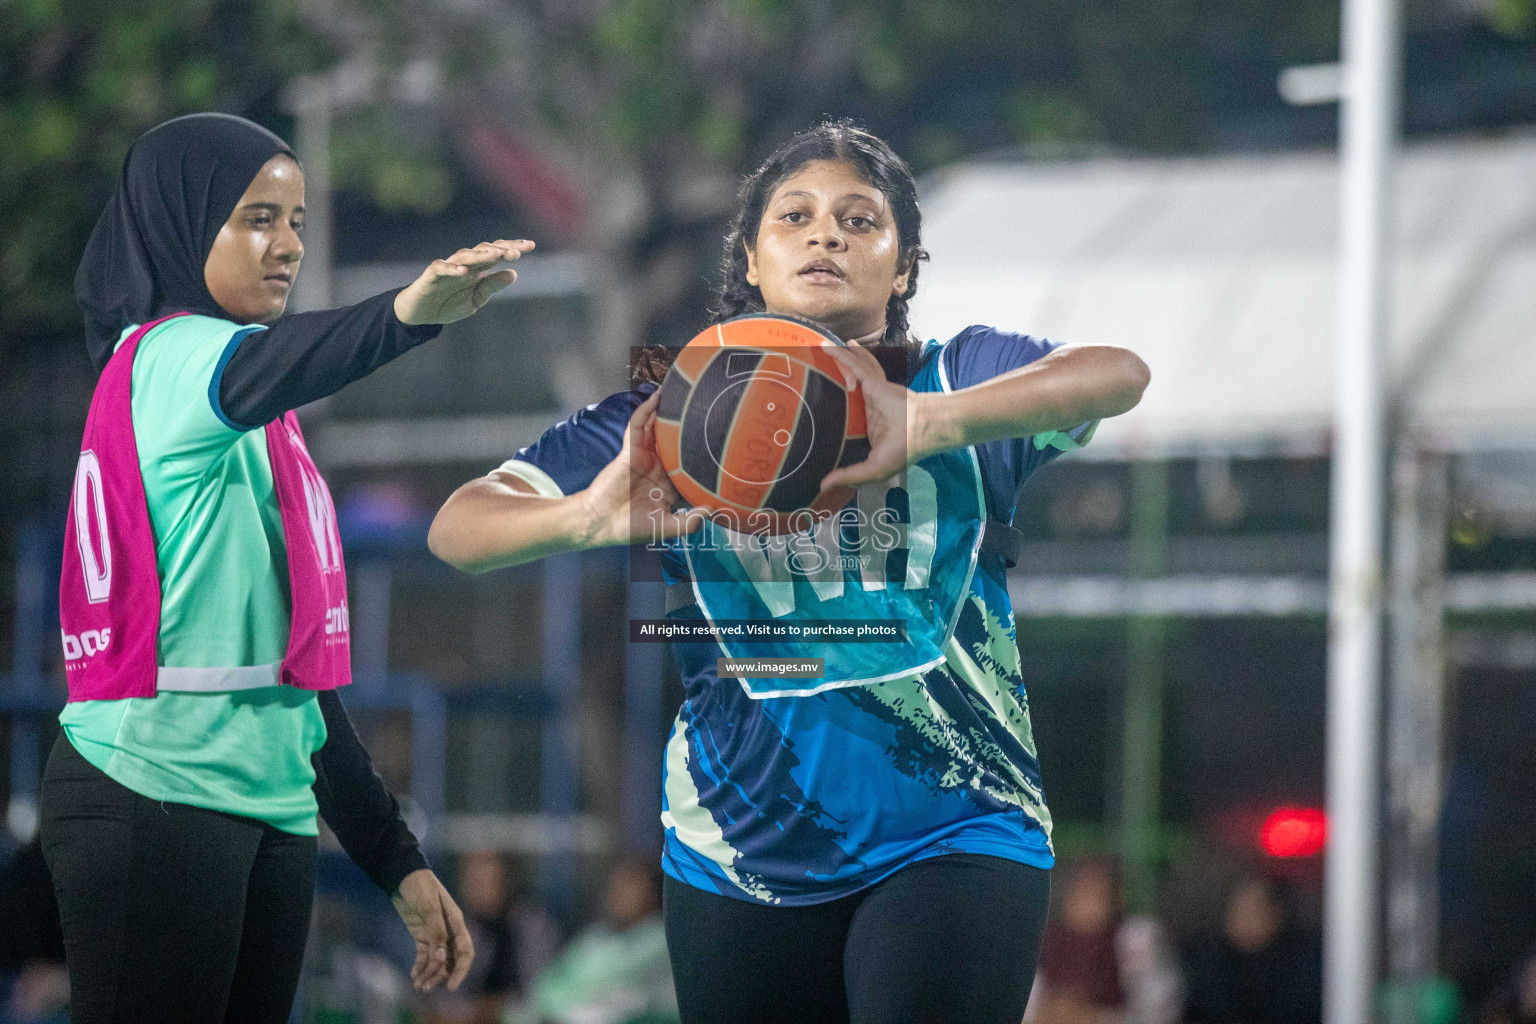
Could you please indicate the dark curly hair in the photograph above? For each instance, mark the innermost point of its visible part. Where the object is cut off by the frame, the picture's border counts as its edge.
(880, 167)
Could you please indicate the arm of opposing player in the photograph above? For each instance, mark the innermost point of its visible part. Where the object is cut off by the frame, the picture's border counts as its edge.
(1071, 386)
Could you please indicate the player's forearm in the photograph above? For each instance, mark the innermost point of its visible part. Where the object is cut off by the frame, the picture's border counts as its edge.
(1068, 387)
(354, 802)
(307, 356)
(486, 525)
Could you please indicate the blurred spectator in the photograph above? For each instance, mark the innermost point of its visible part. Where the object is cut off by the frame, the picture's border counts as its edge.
(38, 995)
(514, 942)
(1099, 968)
(34, 986)
(1262, 968)
(1514, 1001)
(1149, 971)
(350, 973)
(1079, 973)
(616, 970)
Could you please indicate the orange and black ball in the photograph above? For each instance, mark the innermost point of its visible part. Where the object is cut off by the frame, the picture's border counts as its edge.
(752, 414)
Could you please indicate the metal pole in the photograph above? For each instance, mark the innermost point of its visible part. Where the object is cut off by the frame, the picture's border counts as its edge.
(1142, 752)
(1368, 134)
(312, 104)
(34, 586)
(1415, 717)
(374, 580)
(429, 762)
(562, 679)
(644, 727)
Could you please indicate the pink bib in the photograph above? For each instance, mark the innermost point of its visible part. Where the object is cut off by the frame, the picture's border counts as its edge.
(109, 591)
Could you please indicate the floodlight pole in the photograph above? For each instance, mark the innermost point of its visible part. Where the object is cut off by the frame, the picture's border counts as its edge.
(1367, 143)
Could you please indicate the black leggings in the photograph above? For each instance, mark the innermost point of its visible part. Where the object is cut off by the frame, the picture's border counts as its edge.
(172, 913)
(951, 940)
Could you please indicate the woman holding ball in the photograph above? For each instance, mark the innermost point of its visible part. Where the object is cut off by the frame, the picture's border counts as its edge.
(869, 850)
(203, 597)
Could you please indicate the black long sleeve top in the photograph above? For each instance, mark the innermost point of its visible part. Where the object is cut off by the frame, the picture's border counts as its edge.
(297, 360)
(308, 356)
(356, 805)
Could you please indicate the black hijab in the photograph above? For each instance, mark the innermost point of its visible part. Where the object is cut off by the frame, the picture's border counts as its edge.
(180, 182)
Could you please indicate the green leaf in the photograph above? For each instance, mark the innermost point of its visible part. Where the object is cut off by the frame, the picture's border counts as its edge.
(881, 66)
(719, 132)
(54, 131)
(411, 182)
(1046, 117)
(197, 84)
(1515, 18)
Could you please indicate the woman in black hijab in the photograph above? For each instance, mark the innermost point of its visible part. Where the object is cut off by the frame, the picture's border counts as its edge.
(147, 254)
(180, 827)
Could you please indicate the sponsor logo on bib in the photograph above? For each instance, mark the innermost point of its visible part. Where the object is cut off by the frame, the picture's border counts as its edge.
(89, 643)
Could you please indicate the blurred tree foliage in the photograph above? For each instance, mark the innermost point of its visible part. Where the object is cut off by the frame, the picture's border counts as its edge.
(373, 150)
(1515, 18)
(951, 75)
(663, 100)
(82, 78)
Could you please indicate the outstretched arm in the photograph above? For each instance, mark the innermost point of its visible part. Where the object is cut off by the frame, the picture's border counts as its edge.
(1069, 387)
(308, 356)
(499, 520)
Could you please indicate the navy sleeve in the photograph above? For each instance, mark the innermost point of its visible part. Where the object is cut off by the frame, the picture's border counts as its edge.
(570, 454)
(978, 354)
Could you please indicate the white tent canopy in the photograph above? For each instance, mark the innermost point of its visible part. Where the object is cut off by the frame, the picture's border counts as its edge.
(1221, 274)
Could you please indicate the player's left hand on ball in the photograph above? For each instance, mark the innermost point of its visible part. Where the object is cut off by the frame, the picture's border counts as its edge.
(453, 288)
(443, 947)
(890, 412)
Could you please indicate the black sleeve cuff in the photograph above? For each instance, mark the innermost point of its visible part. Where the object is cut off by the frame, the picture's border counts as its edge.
(389, 875)
(417, 333)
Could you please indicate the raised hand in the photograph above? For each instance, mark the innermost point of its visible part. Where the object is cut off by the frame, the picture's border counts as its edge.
(453, 288)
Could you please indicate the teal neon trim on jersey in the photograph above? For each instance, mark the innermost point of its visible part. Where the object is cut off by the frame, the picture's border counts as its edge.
(218, 375)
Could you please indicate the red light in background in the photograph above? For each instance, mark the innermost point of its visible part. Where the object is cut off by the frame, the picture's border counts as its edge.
(1294, 832)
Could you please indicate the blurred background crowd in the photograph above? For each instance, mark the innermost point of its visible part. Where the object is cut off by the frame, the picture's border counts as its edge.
(1156, 174)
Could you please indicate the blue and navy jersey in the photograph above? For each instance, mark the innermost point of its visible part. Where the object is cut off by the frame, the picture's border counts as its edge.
(800, 799)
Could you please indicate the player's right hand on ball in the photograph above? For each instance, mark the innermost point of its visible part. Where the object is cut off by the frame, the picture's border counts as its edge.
(631, 499)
